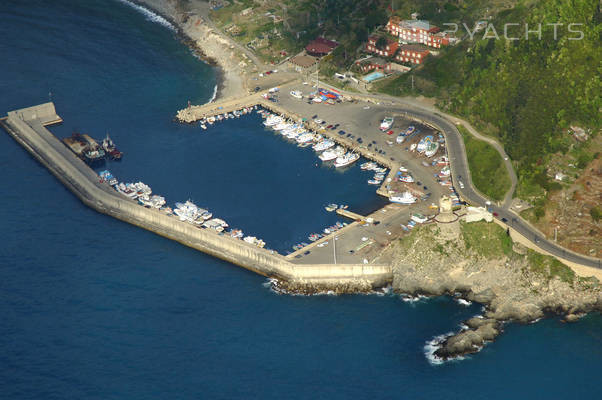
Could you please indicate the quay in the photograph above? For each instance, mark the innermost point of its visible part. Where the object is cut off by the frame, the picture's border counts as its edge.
(28, 127)
(351, 215)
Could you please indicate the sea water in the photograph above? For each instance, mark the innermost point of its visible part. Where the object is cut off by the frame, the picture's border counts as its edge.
(94, 308)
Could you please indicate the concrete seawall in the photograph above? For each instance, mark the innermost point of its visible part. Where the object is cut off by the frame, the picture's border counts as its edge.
(27, 127)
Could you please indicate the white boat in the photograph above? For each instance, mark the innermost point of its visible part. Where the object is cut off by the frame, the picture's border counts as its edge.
(387, 123)
(331, 207)
(323, 145)
(413, 147)
(332, 154)
(424, 143)
(297, 94)
(203, 126)
(431, 149)
(273, 120)
(400, 138)
(305, 138)
(347, 159)
(367, 166)
(375, 182)
(421, 219)
(404, 198)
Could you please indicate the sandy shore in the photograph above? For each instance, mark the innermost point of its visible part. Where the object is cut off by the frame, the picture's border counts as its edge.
(191, 19)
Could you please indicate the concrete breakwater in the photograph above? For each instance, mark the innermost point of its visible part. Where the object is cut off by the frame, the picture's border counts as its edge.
(28, 127)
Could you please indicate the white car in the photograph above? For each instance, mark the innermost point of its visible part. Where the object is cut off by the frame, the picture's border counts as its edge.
(461, 184)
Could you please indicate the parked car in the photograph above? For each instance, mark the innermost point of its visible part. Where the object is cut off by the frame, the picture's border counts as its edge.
(390, 132)
(329, 126)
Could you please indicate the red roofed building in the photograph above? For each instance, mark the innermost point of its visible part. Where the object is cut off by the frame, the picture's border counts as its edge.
(417, 31)
(375, 63)
(388, 50)
(320, 47)
(412, 53)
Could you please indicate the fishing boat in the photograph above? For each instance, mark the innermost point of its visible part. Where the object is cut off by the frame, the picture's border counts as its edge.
(374, 182)
(305, 138)
(297, 94)
(109, 147)
(410, 130)
(406, 178)
(332, 154)
(203, 126)
(424, 143)
(431, 149)
(404, 198)
(400, 138)
(343, 207)
(387, 123)
(347, 159)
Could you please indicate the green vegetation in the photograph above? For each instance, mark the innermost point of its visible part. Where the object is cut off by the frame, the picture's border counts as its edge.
(488, 240)
(525, 92)
(487, 169)
(595, 213)
(549, 267)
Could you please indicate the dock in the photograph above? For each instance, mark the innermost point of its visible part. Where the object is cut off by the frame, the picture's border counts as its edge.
(28, 127)
(351, 215)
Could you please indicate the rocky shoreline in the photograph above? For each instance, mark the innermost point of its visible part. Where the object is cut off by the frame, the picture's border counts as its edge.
(193, 30)
(512, 283)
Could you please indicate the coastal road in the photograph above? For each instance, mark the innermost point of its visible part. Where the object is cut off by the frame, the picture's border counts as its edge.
(363, 124)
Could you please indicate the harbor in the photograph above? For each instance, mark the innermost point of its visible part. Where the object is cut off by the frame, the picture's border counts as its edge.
(28, 128)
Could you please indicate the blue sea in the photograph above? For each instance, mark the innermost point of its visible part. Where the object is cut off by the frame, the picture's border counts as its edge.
(93, 308)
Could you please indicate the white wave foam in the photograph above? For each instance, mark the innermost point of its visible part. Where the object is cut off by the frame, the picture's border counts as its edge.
(413, 299)
(433, 345)
(463, 302)
(214, 95)
(149, 15)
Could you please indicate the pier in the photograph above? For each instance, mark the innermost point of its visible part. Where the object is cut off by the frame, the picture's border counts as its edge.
(28, 127)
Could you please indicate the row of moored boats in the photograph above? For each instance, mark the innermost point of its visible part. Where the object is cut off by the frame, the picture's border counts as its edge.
(186, 211)
(328, 150)
(204, 122)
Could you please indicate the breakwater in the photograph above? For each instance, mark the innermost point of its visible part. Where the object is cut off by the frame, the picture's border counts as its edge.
(28, 127)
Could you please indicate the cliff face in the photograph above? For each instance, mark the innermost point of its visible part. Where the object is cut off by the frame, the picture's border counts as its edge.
(479, 262)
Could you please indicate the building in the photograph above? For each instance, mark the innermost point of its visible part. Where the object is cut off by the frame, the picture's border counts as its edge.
(387, 50)
(417, 31)
(412, 53)
(320, 47)
(303, 63)
(373, 63)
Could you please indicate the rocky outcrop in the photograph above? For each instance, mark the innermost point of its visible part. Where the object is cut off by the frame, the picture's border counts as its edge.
(437, 259)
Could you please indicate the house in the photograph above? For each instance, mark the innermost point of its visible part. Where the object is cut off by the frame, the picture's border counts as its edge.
(412, 53)
(320, 47)
(417, 31)
(373, 63)
(388, 48)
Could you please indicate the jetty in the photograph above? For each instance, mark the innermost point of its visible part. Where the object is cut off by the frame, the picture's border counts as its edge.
(28, 127)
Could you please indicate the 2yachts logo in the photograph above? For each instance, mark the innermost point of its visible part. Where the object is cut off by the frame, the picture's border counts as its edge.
(516, 31)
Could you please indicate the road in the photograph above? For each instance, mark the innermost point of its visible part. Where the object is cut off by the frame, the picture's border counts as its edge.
(458, 162)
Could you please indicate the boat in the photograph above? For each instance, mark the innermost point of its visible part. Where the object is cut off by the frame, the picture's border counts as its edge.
(332, 154)
(406, 178)
(424, 143)
(404, 198)
(410, 130)
(387, 123)
(367, 166)
(305, 138)
(347, 159)
(323, 145)
(431, 149)
(297, 94)
(109, 147)
(331, 207)
(400, 138)
(203, 126)
(419, 218)
(374, 182)
(413, 147)
(343, 207)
